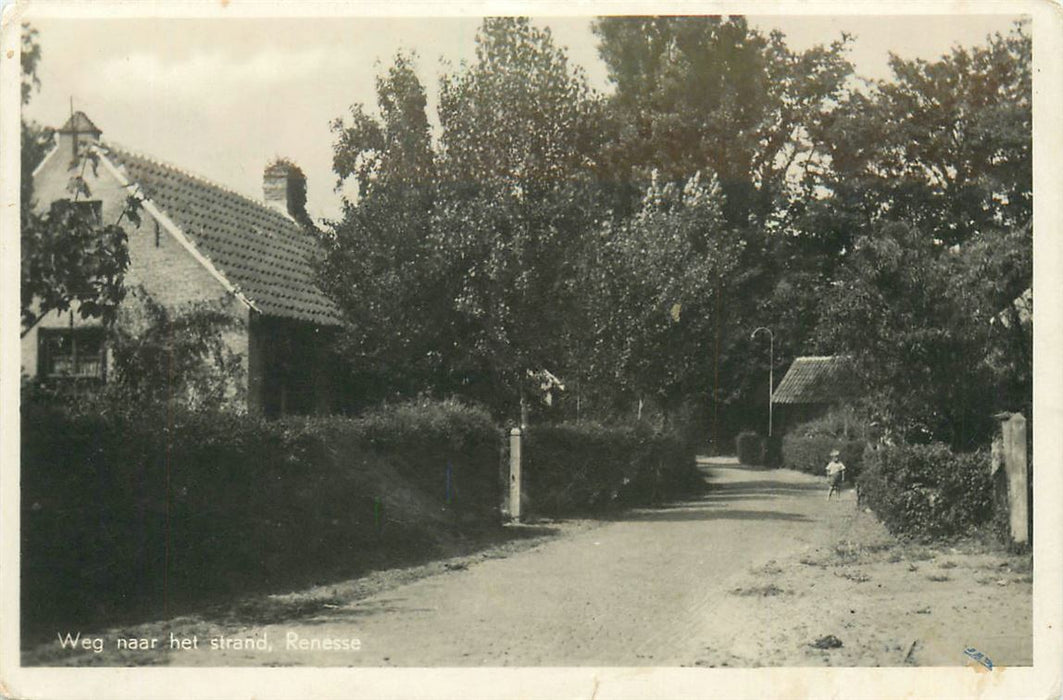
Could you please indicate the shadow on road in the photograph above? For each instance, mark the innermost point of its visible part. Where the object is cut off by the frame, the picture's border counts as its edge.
(716, 498)
(762, 488)
(307, 606)
(707, 512)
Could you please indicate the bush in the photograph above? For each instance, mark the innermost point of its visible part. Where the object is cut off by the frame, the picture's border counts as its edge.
(750, 448)
(773, 452)
(571, 467)
(811, 454)
(927, 491)
(115, 504)
(807, 447)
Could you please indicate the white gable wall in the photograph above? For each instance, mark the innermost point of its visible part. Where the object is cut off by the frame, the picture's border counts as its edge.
(159, 261)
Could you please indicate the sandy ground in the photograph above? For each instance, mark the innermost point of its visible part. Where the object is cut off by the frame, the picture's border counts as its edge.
(754, 572)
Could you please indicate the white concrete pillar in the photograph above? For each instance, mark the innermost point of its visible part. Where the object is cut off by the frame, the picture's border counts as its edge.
(514, 474)
(1014, 433)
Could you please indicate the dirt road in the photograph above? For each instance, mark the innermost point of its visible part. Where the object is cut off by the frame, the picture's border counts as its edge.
(727, 578)
(634, 591)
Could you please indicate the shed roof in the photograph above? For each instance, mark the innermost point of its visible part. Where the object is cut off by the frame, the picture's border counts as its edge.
(812, 380)
(264, 254)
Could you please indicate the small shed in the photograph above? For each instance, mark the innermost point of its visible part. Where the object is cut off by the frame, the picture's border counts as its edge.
(812, 386)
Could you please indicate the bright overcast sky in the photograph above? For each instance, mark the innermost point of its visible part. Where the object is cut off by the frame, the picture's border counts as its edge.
(222, 97)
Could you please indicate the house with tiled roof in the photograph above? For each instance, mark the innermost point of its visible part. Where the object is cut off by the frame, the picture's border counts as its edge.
(813, 385)
(200, 242)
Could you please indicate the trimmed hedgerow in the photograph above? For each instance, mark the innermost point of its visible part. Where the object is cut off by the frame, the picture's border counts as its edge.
(573, 467)
(810, 454)
(807, 447)
(134, 510)
(126, 509)
(750, 448)
(927, 491)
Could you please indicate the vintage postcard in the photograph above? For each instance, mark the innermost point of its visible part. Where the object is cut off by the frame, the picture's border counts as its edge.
(597, 350)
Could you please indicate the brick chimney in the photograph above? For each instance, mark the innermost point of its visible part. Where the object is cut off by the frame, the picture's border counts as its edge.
(284, 189)
(77, 134)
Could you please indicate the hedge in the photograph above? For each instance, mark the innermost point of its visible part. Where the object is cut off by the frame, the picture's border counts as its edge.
(927, 491)
(750, 448)
(127, 511)
(117, 506)
(810, 454)
(572, 467)
(807, 447)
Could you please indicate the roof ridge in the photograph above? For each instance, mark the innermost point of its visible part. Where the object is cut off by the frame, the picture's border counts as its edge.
(202, 179)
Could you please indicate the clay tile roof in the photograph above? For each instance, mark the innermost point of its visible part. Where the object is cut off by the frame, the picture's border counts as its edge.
(817, 380)
(263, 253)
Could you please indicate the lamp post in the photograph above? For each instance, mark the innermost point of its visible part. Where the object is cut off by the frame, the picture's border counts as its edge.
(771, 367)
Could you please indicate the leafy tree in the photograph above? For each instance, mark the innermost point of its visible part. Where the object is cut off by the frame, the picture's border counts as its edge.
(657, 308)
(944, 145)
(518, 144)
(36, 140)
(69, 257)
(383, 265)
(711, 93)
(931, 182)
(918, 334)
(393, 152)
(994, 284)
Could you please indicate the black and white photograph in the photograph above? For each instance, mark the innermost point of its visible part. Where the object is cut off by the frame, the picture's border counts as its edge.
(675, 341)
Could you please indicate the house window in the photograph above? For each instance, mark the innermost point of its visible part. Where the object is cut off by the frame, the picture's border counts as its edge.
(90, 210)
(71, 352)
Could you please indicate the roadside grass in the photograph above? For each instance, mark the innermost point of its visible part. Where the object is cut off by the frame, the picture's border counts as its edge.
(765, 591)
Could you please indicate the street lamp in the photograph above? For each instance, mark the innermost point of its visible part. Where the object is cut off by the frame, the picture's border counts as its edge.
(771, 367)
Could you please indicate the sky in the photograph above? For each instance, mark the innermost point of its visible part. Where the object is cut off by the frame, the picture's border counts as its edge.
(222, 97)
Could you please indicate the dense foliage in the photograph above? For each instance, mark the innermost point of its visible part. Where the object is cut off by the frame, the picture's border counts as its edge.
(570, 255)
(807, 447)
(69, 256)
(921, 326)
(142, 508)
(931, 187)
(927, 491)
(570, 467)
(750, 448)
(626, 244)
(810, 453)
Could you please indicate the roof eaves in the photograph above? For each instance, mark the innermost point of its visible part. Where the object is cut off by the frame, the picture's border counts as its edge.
(47, 157)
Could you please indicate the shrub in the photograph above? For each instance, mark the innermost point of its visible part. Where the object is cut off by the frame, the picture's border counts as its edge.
(117, 503)
(811, 454)
(807, 447)
(840, 421)
(773, 452)
(570, 467)
(750, 448)
(927, 491)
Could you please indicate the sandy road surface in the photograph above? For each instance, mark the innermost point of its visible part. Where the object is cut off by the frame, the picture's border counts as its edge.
(634, 591)
(752, 572)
